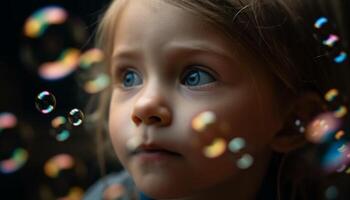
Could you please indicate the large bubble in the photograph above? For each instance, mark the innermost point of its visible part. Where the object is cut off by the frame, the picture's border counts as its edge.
(52, 44)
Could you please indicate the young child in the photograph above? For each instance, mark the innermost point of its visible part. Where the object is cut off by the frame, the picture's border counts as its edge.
(206, 95)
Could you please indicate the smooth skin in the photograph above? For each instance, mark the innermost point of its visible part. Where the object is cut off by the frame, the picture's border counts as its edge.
(169, 65)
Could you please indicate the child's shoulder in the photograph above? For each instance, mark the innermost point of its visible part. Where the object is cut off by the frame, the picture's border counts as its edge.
(116, 185)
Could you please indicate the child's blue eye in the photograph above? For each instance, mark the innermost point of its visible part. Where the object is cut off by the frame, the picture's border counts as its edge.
(196, 77)
(131, 79)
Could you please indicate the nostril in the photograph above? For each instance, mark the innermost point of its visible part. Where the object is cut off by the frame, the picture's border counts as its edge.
(153, 119)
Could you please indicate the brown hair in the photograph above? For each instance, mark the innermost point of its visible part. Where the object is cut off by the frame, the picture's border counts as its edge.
(278, 33)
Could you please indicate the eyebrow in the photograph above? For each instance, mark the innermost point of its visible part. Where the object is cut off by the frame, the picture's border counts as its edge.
(129, 52)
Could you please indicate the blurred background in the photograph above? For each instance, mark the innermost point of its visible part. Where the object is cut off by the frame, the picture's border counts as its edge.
(46, 150)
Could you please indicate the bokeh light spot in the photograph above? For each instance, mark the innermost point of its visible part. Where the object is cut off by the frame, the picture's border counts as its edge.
(216, 148)
(202, 121)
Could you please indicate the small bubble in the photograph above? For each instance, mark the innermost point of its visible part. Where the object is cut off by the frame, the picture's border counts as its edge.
(236, 144)
(245, 161)
(331, 95)
(45, 102)
(215, 149)
(60, 128)
(320, 22)
(203, 121)
(340, 112)
(76, 117)
(332, 39)
(322, 127)
(339, 134)
(331, 192)
(341, 57)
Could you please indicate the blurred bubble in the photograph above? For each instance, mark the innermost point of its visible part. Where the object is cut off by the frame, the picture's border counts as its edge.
(66, 63)
(336, 156)
(45, 102)
(321, 128)
(236, 144)
(7, 120)
(340, 112)
(339, 134)
(245, 161)
(331, 40)
(52, 42)
(60, 129)
(341, 57)
(341, 168)
(114, 192)
(331, 95)
(331, 193)
(15, 162)
(133, 143)
(76, 117)
(320, 22)
(57, 163)
(216, 148)
(202, 121)
(38, 22)
(90, 76)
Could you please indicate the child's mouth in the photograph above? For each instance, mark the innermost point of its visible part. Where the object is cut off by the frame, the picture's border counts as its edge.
(154, 154)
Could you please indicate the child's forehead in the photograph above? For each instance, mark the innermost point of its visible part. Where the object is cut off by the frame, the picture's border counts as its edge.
(160, 23)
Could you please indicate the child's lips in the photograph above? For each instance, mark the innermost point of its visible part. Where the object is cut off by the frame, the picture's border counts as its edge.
(154, 153)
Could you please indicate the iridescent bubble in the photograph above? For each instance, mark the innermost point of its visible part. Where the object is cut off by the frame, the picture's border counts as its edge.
(52, 42)
(341, 57)
(58, 163)
(76, 117)
(320, 22)
(216, 148)
(236, 144)
(60, 129)
(202, 121)
(91, 78)
(245, 161)
(7, 120)
(322, 127)
(15, 162)
(45, 102)
(336, 156)
(114, 191)
(331, 193)
(331, 40)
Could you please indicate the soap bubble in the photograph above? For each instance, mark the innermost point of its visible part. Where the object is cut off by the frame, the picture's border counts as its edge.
(76, 117)
(17, 160)
(60, 128)
(216, 148)
(45, 102)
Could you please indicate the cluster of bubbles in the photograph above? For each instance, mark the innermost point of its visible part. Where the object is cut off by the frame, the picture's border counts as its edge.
(19, 155)
(45, 102)
(326, 128)
(202, 122)
(330, 40)
(52, 48)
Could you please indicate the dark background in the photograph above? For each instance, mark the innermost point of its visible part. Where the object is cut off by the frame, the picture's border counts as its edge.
(18, 87)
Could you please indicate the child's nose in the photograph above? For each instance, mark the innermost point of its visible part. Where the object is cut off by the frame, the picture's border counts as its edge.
(151, 110)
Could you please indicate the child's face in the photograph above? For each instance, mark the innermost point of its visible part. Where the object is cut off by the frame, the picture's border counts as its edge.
(168, 66)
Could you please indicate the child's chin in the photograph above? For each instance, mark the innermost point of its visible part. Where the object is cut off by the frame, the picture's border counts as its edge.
(159, 187)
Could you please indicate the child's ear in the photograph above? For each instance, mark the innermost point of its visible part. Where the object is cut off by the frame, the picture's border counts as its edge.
(302, 110)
